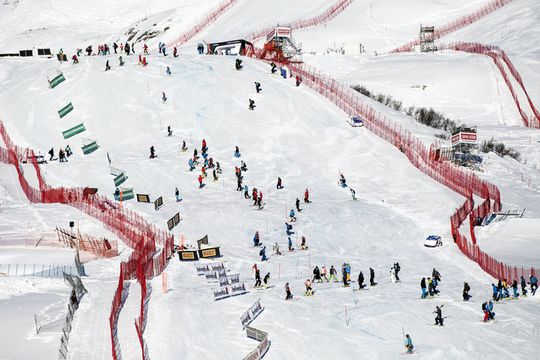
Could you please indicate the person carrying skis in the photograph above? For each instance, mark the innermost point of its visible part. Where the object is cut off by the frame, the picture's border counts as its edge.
(323, 273)
(439, 318)
(258, 87)
(466, 289)
(292, 216)
(262, 254)
(288, 292)
(257, 278)
(306, 196)
(298, 205)
(408, 344)
(177, 194)
(309, 290)
(372, 277)
(361, 284)
(423, 286)
(251, 104)
(333, 274)
(317, 275)
(279, 186)
(256, 239)
(265, 280)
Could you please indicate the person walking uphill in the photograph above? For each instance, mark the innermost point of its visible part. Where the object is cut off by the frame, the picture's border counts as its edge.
(439, 318)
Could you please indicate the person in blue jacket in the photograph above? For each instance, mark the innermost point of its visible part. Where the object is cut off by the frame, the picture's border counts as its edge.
(292, 215)
(191, 165)
(490, 310)
(256, 239)
(262, 253)
(408, 344)
(290, 244)
(495, 292)
(534, 284)
(288, 229)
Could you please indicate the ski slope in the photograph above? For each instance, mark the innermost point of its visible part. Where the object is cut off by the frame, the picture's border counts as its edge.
(294, 134)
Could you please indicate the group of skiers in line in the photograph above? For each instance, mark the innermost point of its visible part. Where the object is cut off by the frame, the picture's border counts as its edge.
(429, 286)
(501, 290)
(63, 154)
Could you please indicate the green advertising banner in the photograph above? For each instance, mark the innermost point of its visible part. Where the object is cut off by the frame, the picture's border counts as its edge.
(126, 194)
(65, 110)
(57, 81)
(74, 131)
(90, 148)
(120, 179)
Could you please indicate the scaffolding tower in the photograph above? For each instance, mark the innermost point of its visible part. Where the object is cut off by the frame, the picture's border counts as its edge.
(427, 39)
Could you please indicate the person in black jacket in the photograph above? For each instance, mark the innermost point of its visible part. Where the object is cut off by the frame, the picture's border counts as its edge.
(439, 318)
(466, 289)
(423, 286)
(361, 284)
(372, 277)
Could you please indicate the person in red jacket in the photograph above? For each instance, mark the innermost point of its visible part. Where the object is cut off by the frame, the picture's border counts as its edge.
(306, 196)
(254, 195)
(203, 145)
(75, 59)
(201, 182)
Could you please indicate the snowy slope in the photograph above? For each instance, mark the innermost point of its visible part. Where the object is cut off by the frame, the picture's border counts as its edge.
(294, 134)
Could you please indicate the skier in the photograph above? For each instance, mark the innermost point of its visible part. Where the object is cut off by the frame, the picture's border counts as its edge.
(262, 253)
(306, 196)
(152, 152)
(256, 239)
(191, 164)
(117, 194)
(107, 66)
(408, 344)
(423, 286)
(435, 274)
(397, 269)
(115, 46)
(466, 289)
(259, 200)
(258, 87)
(298, 80)
(292, 215)
(490, 309)
(290, 244)
(145, 49)
(238, 64)
(62, 156)
(121, 60)
(288, 229)
(317, 274)
(298, 205)
(344, 275)
(175, 52)
(495, 290)
(533, 280)
(435, 283)
(333, 274)
(51, 153)
(204, 147)
(439, 318)
(237, 152)
(254, 195)
(127, 48)
(275, 249)
(169, 131)
(515, 289)
(177, 194)
(168, 71)
(486, 311)
(288, 292)
(163, 96)
(257, 278)
(246, 191)
(353, 193)
(200, 48)
(303, 245)
(342, 181)
(361, 284)
(218, 168)
(265, 280)
(372, 277)
(214, 174)
(393, 274)
(239, 186)
(523, 286)
(279, 186)
(273, 68)
(431, 289)
(201, 184)
(323, 273)
(243, 166)
(68, 151)
(309, 290)
(251, 104)
(75, 59)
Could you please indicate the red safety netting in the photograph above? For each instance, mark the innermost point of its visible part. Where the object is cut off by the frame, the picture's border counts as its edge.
(500, 59)
(463, 182)
(201, 25)
(327, 15)
(457, 24)
(129, 226)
